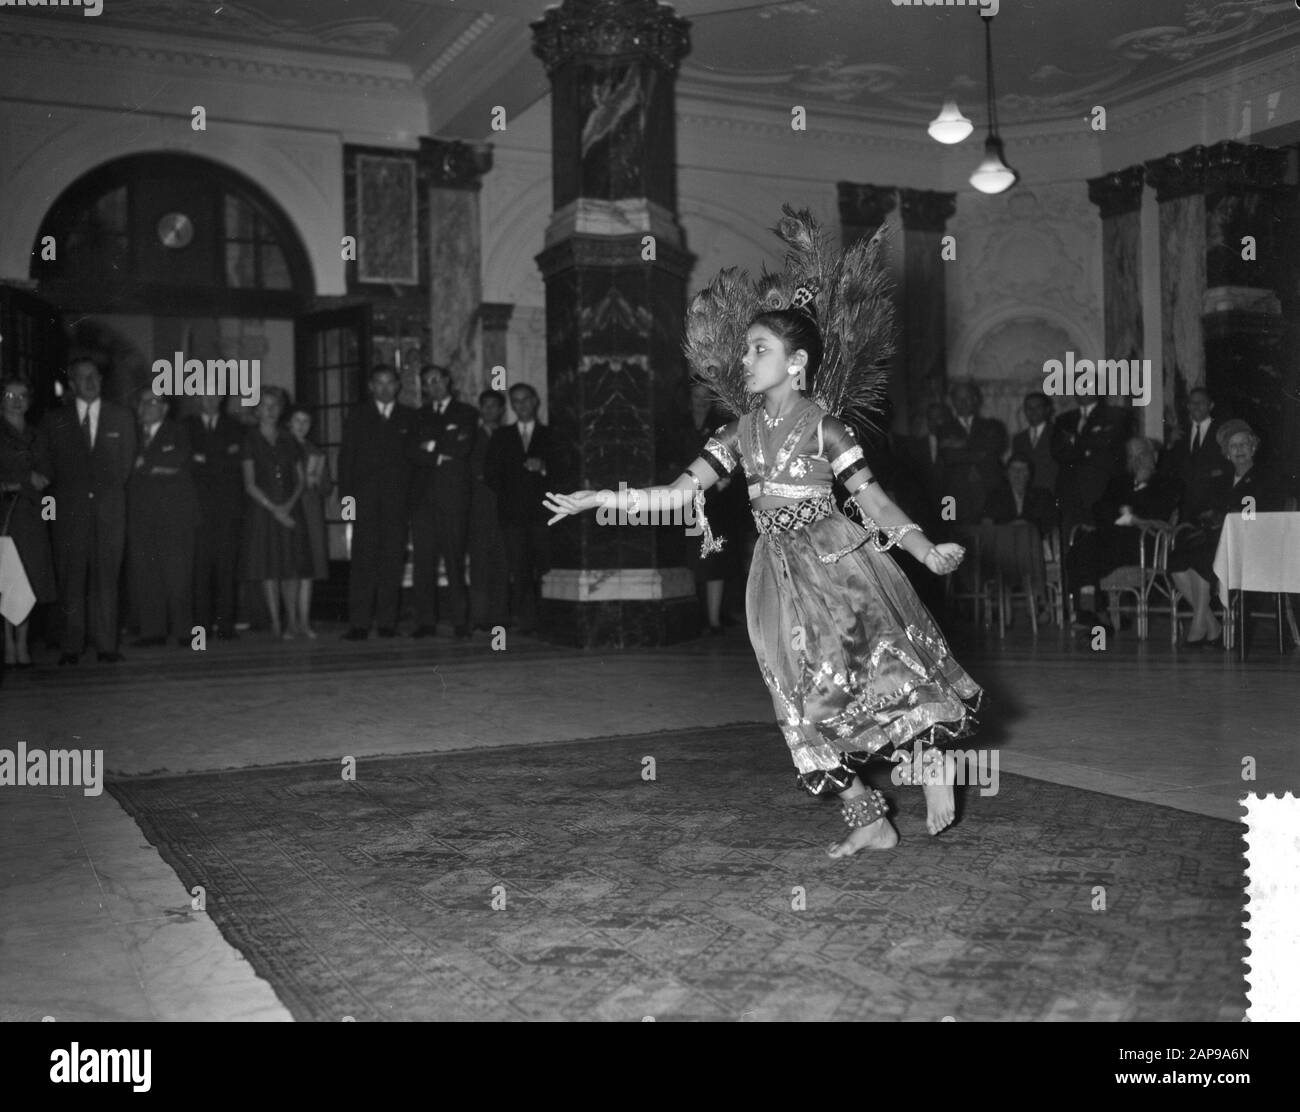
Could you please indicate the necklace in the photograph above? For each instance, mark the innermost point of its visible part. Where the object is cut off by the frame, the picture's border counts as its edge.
(772, 422)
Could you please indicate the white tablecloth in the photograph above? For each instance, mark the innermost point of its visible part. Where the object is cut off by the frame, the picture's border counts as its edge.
(1262, 554)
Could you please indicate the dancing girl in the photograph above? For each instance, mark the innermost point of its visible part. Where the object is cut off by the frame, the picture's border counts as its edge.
(855, 664)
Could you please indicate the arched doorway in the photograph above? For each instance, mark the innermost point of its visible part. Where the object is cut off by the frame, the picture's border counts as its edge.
(158, 253)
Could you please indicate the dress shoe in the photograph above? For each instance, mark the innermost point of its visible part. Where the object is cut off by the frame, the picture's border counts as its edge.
(387, 631)
(115, 658)
(425, 631)
(149, 643)
(462, 633)
(68, 658)
(355, 634)
(21, 664)
(225, 634)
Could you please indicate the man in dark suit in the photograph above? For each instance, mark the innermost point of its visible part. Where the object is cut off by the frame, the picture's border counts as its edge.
(1196, 459)
(1035, 441)
(375, 471)
(440, 498)
(162, 515)
(92, 447)
(215, 442)
(519, 459)
(1088, 446)
(971, 449)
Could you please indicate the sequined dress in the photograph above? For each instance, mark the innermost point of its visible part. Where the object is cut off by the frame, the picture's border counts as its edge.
(856, 666)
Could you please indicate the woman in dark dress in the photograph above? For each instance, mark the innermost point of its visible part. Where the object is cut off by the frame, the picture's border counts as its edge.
(713, 570)
(1191, 562)
(274, 533)
(24, 474)
(316, 486)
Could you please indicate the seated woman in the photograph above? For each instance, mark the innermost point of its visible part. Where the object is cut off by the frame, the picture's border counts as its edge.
(1142, 496)
(1191, 561)
(1017, 552)
(1018, 500)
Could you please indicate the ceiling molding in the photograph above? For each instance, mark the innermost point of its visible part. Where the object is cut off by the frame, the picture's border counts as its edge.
(155, 48)
(445, 57)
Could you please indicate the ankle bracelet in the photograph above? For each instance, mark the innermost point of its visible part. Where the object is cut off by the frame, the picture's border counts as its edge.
(864, 810)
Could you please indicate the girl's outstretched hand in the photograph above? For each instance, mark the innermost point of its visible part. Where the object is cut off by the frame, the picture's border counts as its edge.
(561, 505)
(943, 559)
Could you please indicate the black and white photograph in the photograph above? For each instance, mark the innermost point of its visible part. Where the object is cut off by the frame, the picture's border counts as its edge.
(618, 511)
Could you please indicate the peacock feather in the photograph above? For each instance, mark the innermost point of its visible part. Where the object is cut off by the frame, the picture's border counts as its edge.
(852, 301)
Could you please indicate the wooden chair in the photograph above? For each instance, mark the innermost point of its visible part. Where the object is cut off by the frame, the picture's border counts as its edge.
(983, 593)
(1140, 580)
(1052, 564)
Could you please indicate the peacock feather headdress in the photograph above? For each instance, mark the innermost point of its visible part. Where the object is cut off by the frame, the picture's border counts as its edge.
(849, 295)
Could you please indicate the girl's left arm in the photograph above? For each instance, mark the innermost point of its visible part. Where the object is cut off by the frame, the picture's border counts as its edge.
(850, 467)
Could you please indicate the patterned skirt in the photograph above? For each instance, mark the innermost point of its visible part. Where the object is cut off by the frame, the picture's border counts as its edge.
(855, 664)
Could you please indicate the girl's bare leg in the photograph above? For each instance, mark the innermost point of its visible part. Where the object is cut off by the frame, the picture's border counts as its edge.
(877, 835)
(713, 599)
(289, 596)
(22, 654)
(304, 607)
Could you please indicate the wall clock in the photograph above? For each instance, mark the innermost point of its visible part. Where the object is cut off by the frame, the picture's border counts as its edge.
(175, 230)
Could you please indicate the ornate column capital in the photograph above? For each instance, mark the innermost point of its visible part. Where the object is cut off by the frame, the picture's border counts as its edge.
(864, 205)
(1119, 192)
(495, 315)
(926, 210)
(611, 29)
(1224, 167)
(453, 164)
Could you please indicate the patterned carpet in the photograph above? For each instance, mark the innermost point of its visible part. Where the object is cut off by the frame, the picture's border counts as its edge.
(703, 894)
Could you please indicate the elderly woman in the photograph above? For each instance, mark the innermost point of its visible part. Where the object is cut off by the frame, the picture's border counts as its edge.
(1191, 563)
(1142, 496)
(24, 475)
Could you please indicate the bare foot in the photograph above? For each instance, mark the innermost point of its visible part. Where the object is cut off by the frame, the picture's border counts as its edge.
(940, 806)
(879, 835)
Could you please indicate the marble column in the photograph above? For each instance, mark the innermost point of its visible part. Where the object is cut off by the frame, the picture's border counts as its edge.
(1223, 324)
(1118, 197)
(494, 321)
(925, 215)
(455, 172)
(615, 268)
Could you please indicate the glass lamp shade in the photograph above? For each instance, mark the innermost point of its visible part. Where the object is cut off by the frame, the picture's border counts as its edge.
(993, 175)
(950, 126)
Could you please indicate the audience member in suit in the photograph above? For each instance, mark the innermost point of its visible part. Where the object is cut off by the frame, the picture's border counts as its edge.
(970, 449)
(24, 476)
(316, 487)
(1191, 561)
(440, 501)
(162, 519)
(519, 459)
(922, 480)
(275, 545)
(375, 471)
(1019, 499)
(1196, 459)
(91, 445)
(1035, 441)
(1143, 495)
(216, 440)
(489, 572)
(1088, 446)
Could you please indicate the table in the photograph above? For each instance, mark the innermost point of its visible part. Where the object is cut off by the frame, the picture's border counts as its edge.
(1257, 554)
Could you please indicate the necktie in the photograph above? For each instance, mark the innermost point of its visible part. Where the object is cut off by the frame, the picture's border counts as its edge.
(1196, 439)
(1033, 438)
(527, 433)
(211, 421)
(85, 429)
